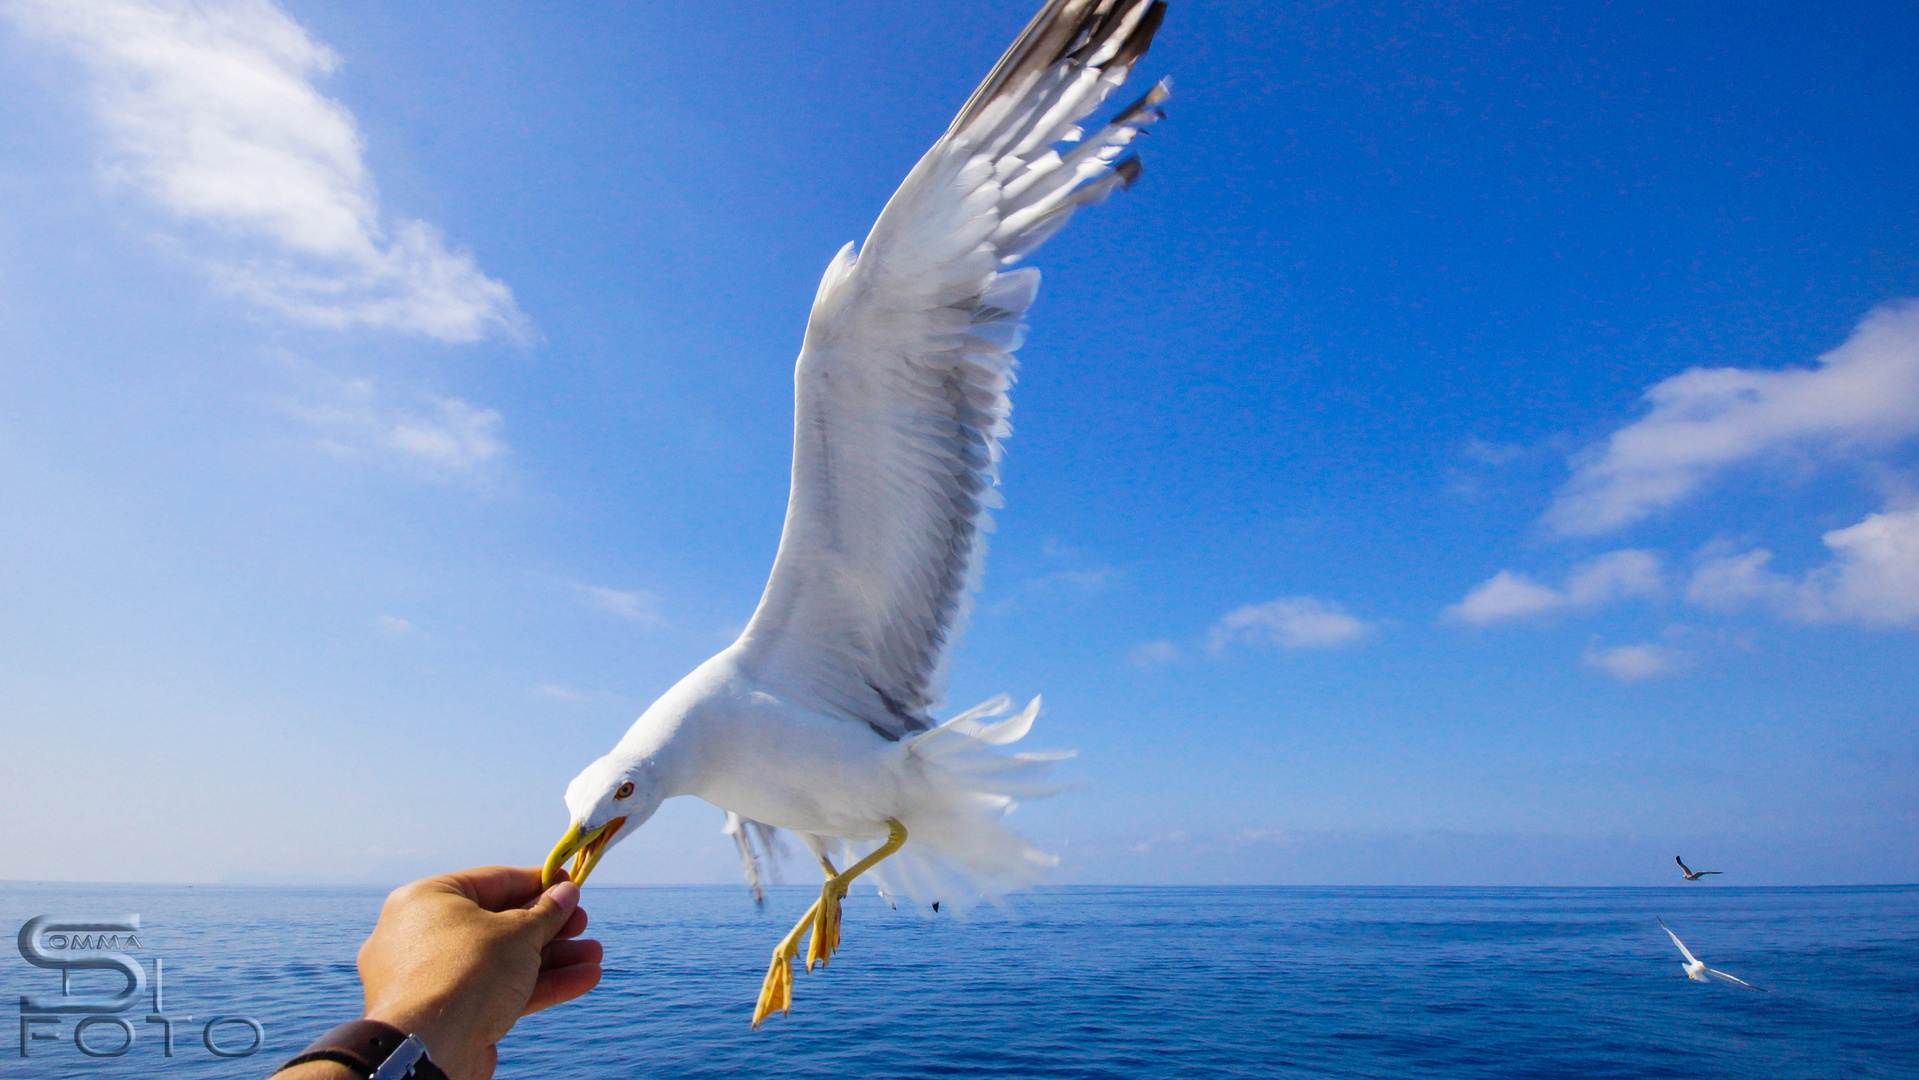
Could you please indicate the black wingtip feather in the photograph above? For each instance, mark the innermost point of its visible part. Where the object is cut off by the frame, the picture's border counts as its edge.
(1141, 38)
(1145, 108)
(1095, 33)
(1060, 29)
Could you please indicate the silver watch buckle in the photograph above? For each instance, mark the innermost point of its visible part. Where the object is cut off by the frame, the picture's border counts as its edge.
(399, 1063)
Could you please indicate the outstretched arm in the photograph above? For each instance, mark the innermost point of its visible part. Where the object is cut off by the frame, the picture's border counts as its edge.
(458, 959)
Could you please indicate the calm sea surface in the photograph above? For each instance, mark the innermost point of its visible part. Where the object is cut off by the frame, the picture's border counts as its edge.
(1120, 983)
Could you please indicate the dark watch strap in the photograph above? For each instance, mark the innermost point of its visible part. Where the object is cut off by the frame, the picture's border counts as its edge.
(363, 1045)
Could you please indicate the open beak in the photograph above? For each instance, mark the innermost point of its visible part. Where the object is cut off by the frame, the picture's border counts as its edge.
(585, 848)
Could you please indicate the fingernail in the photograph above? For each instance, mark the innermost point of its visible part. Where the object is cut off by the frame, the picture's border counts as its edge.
(566, 894)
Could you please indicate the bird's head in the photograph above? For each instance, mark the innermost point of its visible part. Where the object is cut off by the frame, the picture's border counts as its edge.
(608, 800)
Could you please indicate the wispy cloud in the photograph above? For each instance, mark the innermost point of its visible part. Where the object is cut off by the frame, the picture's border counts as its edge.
(563, 694)
(1153, 655)
(1076, 576)
(1293, 622)
(458, 438)
(1486, 452)
(446, 437)
(1872, 578)
(392, 626)
(1634, 663)
(1089, 582)
(1509, 596)
(638, 605)
(1484, 469)
(210, 110)
(1861, 394)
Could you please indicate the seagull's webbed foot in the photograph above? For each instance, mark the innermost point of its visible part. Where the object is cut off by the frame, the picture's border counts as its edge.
(824, 920)
(826, 924)
(826, 916)
(777, 991)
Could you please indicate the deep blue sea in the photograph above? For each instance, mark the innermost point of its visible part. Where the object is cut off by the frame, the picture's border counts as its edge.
(1121, 983)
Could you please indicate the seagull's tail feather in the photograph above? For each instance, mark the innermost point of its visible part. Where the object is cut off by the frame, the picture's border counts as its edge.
(959, 849)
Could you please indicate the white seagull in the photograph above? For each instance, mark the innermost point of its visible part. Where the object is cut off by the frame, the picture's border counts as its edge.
(1690, 873)
(819, 719)
(1696, 968)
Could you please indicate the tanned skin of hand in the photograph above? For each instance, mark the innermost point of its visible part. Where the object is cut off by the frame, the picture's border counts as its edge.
(457, 959)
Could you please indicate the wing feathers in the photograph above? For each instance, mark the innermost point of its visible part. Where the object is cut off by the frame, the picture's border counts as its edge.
(1734, 978)
(901, 389)
(1024, 59)
(760, 851)
(1690, 958)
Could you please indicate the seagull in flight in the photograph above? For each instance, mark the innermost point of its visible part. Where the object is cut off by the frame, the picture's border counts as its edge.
(1691, 874)
(1696, 968)
(820, 719)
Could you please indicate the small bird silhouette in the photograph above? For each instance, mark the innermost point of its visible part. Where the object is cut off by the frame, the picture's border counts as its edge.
(1691, 874)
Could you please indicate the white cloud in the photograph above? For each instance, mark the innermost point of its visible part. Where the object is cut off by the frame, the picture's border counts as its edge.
(451, 438)
(639, 606)
(1731, 582)
(1503, 596)
(459, 439)
(1507, 596)
(1295, 622)
(210, 111)
(1874, 575)
(1863, 393)
(393, 626)
(1872, 578)
(1633, 663)
(557, 692)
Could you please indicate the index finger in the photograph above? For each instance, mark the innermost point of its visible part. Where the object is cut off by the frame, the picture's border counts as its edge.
(497, 888)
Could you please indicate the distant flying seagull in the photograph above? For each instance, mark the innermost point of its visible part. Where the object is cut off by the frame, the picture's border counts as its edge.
(1691, 874)
(1696, 968)
(819, 719)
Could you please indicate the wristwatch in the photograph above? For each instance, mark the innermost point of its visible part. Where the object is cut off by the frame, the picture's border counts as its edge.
(373, 1050)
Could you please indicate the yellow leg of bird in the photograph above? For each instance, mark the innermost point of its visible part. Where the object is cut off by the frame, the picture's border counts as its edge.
(777, 991)
(826, 914)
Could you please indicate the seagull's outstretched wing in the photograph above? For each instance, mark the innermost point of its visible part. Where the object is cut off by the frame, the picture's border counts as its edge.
(1734, 978)
(1683, 868)
(1690, 958)
(760, 852)
(901, 386)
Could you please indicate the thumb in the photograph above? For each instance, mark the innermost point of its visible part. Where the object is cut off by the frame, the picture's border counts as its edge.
(550, 912)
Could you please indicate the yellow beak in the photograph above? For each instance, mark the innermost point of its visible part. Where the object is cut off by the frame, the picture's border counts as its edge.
(584, 846)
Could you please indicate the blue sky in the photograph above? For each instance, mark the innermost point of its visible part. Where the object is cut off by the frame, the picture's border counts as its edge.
(1481, 450)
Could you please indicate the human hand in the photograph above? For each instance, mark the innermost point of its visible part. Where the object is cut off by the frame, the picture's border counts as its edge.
(457, 959)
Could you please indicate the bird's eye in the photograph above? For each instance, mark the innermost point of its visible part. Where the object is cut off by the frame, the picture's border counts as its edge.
(625, 790)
